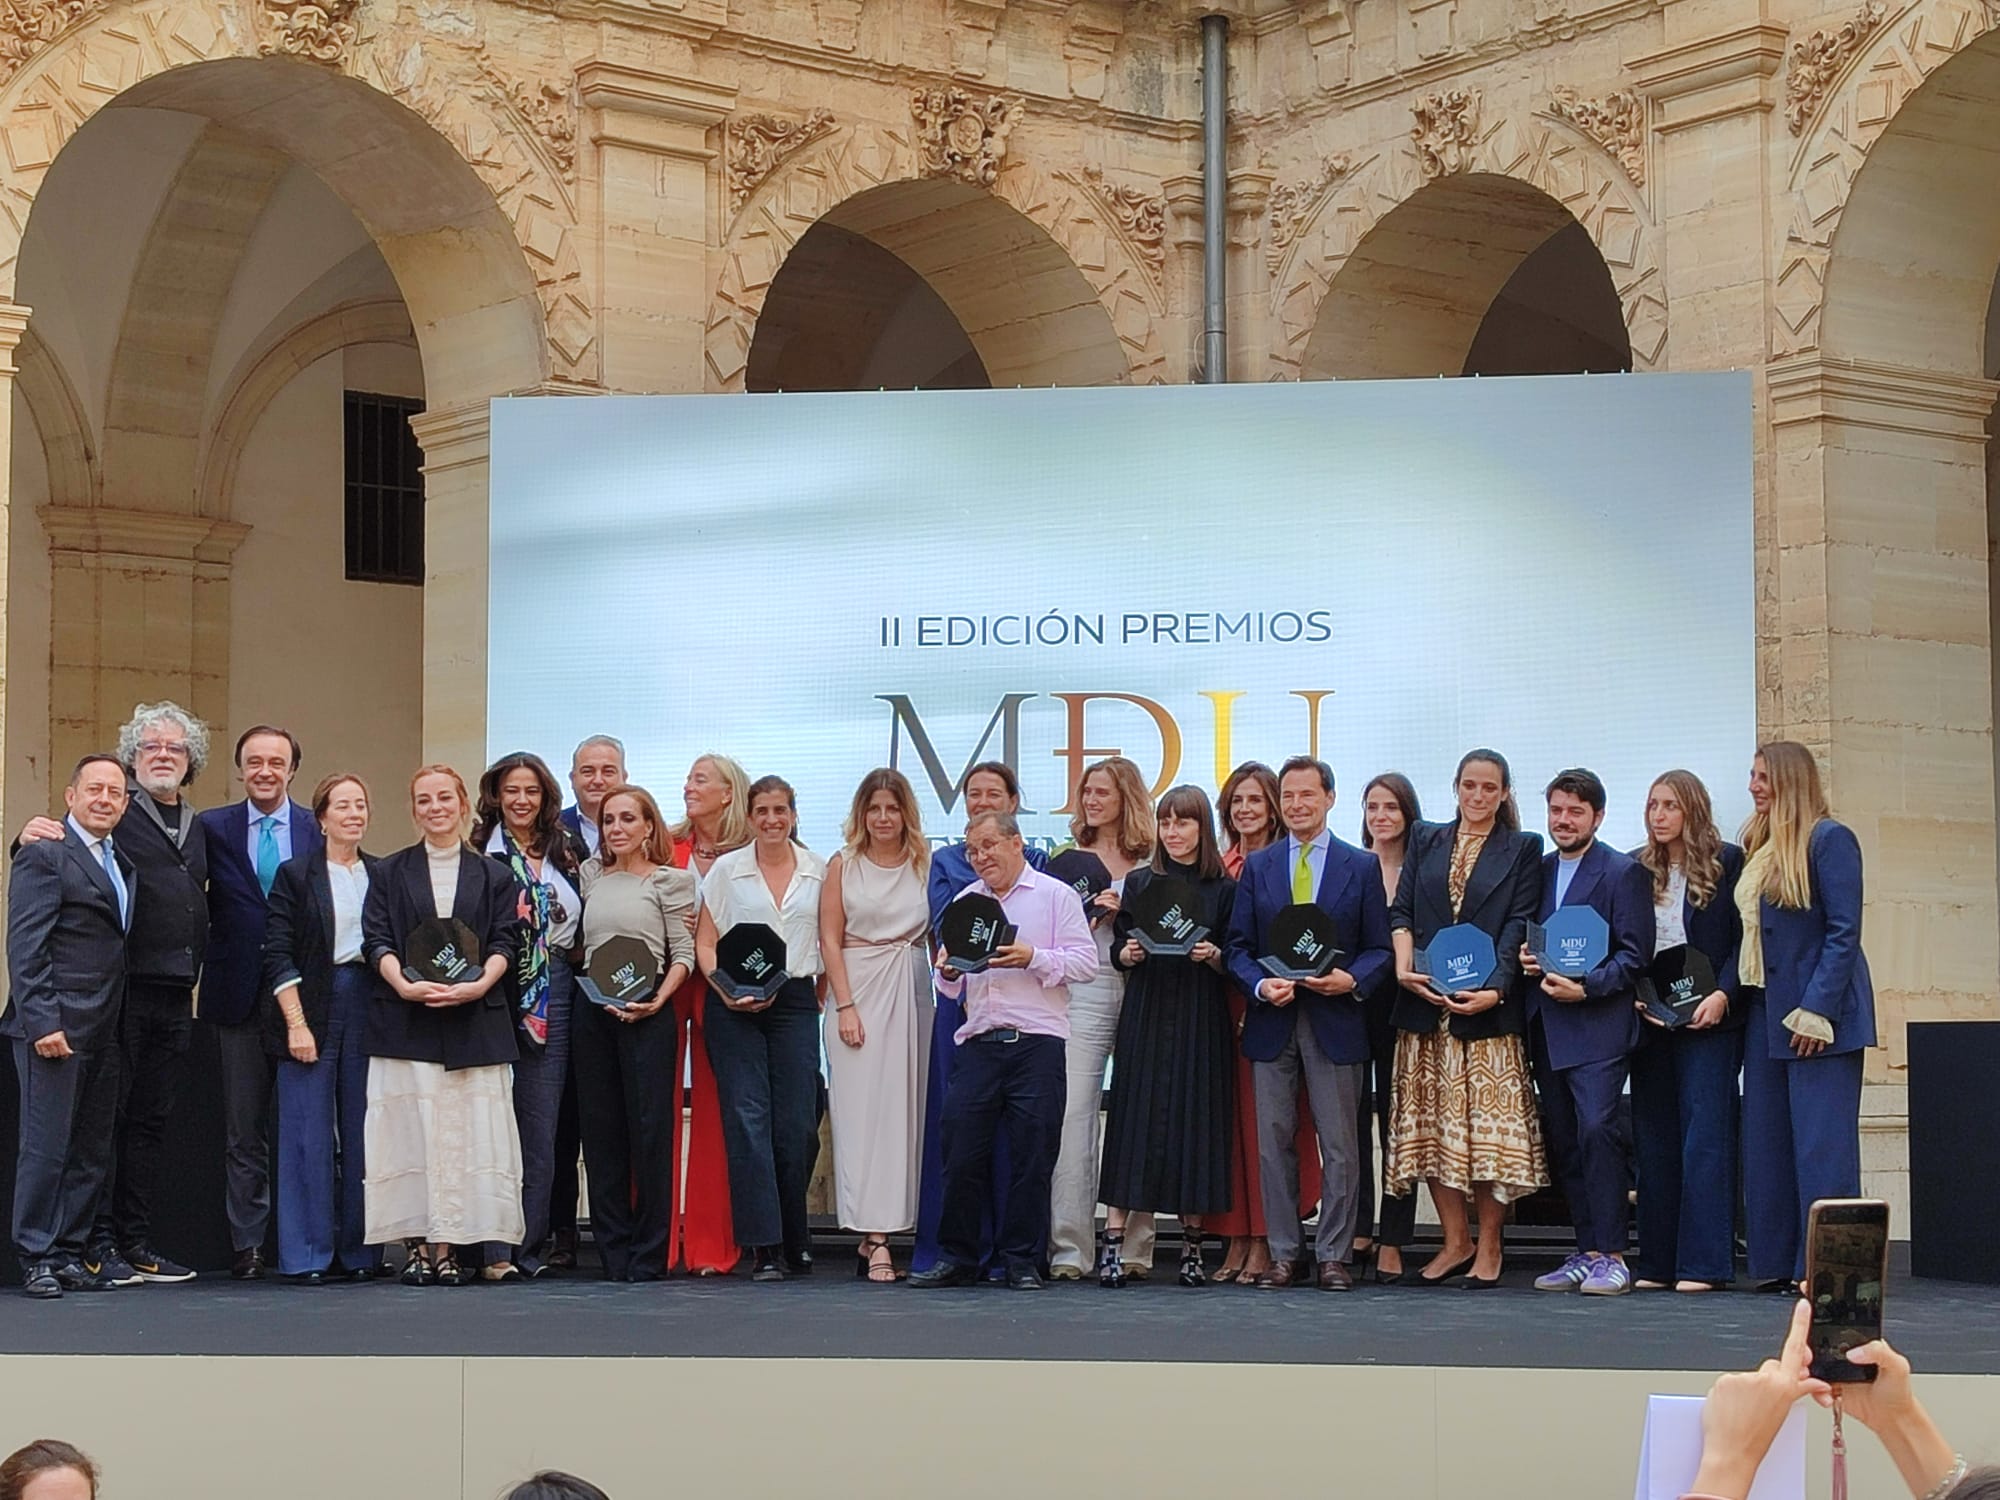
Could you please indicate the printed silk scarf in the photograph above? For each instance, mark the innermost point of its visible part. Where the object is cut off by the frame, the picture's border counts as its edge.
(531, 974)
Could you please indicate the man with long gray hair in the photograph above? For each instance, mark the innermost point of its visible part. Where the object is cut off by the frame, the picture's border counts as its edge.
(163, 747)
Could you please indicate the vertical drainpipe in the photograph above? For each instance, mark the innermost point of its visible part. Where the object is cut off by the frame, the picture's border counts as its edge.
(1214, 199)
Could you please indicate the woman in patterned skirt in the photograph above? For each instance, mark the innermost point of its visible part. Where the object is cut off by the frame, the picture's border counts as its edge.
(1464, 1115)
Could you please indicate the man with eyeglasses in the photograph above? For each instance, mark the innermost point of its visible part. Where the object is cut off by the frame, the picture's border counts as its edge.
(163, 747)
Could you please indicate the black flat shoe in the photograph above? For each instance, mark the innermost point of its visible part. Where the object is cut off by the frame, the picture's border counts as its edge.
(1457, 1269)
(945, 1273)
(1471, 1283)
(766, 1267)
(309, 1278)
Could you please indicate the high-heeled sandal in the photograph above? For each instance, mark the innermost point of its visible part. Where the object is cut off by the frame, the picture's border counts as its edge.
(417, 1270)
(1110, 1262)
(448, 1272)
(1193, 1273)
(865, 1265)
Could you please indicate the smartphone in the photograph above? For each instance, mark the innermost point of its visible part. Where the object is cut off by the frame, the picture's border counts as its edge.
(1847, 1264)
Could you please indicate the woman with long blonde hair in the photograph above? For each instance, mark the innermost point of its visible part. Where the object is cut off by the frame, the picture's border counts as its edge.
(873, 921)
(1684, 1099)
(1114, 821)
(1810, 1010)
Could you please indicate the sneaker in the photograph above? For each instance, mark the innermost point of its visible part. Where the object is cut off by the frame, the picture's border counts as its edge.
(150, 1265)
(1607, 1278)
(1566, 1277)
(82, 1275)
(114, 1267)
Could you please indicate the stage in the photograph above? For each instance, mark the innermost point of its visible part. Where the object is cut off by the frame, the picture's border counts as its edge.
(832, 1385)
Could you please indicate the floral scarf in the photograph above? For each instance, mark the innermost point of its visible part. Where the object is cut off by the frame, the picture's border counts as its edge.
(531, 972)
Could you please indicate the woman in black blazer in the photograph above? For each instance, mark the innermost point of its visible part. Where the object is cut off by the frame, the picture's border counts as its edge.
(1684, 1099)
(519, 824)
(1464, 1115)
(315, 1024)
(444, 1154)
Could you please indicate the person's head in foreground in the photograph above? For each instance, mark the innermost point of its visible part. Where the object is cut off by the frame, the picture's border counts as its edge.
(47, 1469)
(553, 1484)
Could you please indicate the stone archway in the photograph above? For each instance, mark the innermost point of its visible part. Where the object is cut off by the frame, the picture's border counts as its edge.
(1057, 277)
(1878, 639)
(1548, 161)
(1415, 295)
(474, 223)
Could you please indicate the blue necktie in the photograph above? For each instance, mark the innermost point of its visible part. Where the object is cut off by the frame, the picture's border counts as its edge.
(267, 851)
(117, 880)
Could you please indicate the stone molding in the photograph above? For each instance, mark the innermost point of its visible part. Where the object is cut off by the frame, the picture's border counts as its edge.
(456, 437)
(1890, 398)
(140, 535)
(1711, 78)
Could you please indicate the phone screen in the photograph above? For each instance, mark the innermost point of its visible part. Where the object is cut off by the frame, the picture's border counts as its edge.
(1847, 1259)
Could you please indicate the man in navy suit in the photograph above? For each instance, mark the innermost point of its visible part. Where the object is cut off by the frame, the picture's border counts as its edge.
(247, 842)
(1309, 865)
(69, 904)
(594, 770)
(1583, 1032)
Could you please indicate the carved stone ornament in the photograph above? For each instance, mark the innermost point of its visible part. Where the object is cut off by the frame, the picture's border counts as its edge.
(1293, 203)
(1617, 122)
(548, 110)
(321, 32)
(1446, 130)
(756, 144)
(27, 26)
(1817, 61)
(1142, 216)
(962, 135)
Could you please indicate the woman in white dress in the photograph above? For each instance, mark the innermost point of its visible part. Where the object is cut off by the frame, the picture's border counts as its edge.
(442, 1148)
(874, 918)
(1114, 821)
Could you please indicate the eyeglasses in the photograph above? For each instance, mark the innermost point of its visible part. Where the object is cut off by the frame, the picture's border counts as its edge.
(176, 748)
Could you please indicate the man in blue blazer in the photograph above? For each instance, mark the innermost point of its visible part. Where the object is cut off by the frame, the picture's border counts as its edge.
(1309, 865)
(247, 842)
(69, 904)
(1583, 1032)
(595, 769)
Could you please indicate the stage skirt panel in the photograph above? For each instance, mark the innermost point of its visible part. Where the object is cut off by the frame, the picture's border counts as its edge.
(443, 1154)
(1464, 1113)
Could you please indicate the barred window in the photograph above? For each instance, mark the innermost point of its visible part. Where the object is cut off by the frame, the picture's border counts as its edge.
(385, 490)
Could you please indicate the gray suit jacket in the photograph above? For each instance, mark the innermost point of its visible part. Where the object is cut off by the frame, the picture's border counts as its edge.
(65, 943)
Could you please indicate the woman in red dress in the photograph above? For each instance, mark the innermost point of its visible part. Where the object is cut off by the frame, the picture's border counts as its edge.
(1249, 807)
(717, 798)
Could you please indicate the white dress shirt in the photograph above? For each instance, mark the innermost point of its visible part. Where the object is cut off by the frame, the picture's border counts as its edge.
(735, 892)
(350, 892)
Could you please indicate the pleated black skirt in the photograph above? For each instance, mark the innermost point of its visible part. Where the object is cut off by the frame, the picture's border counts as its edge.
(1173, 1073)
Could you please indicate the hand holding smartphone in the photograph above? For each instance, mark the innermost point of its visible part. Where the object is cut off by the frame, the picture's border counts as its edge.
(1847, 1267)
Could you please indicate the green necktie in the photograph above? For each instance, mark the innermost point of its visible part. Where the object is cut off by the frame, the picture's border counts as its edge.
(1302, 877)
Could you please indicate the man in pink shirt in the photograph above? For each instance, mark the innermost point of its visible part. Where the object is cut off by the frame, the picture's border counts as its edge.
(1011, 1063)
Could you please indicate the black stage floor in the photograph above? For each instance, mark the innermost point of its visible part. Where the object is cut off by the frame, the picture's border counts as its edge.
(1945, 1327)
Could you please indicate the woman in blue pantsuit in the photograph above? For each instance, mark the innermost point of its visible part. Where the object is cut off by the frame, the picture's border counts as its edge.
(1684, 1100)
(1810, 1010)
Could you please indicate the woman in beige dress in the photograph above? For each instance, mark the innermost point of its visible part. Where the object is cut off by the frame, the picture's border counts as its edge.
(874, 917)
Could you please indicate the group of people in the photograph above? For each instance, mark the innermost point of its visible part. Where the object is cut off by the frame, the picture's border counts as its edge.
(444, 1111)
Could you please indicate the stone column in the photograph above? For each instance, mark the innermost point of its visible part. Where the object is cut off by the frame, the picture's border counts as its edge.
(658, 208)
(139, 610)
(456, 441)
(1880, 592)
(13, 324)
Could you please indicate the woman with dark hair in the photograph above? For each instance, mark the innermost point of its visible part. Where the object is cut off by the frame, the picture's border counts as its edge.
(873, 922)
(444, 1153)
(1249, 812)
(1389, 810)
(316, 1026)
(1810, 1008)
(1114, 821)
(1684, 1100)
(766, 1052)
(519, 823)
(1166, 1128)
(553, 1484)
(628, 1082)
(1463, 1117)
(48, 1469)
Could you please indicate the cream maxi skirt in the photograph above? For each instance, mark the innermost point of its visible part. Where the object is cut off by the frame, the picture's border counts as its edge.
(443, 1154)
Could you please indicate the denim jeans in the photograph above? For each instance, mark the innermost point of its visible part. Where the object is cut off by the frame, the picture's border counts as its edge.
(1022, 1084)
(322, 1110)
(540, 1074)
(767, 1074)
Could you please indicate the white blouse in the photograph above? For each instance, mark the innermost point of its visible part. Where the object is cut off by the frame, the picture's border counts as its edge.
(563, 896)
(1669, 913)
(735, 892)
(350, 893)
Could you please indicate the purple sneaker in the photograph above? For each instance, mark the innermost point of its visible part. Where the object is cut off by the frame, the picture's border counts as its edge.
(1566, 1277)
(1607, 1278)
